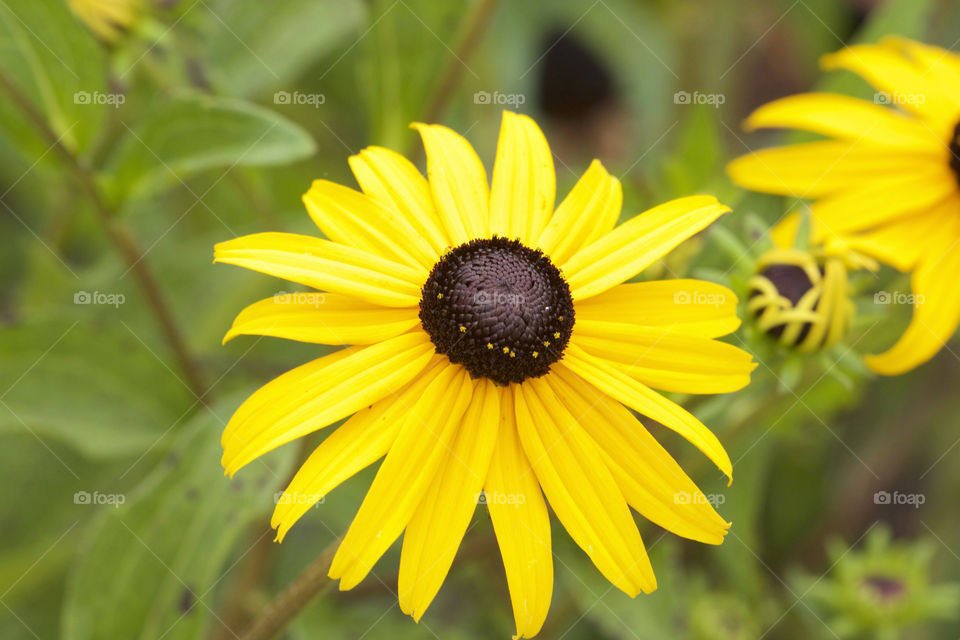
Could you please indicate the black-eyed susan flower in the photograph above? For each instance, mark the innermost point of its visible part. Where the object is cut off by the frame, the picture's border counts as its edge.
(884, 588)
(801, 296)
(494, 353)
(106, 18)
(800, 300)
(886, 182)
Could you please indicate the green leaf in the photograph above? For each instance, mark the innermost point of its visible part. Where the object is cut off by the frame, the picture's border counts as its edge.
(618, 616)
(191, 133)
(94, 387)
(150, 566)
(59, 68)
(253, 46)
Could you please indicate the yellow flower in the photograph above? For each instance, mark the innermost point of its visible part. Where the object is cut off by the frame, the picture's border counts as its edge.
(499, 353)
(801, 296)
(106, 18)
(801, 299)
(886, 182)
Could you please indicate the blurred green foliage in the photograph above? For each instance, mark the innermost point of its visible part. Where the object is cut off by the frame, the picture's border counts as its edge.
(208, 119)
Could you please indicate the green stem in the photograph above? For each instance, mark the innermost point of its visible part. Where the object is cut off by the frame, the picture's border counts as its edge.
(476, 25)
(120, 236)
(311, 582)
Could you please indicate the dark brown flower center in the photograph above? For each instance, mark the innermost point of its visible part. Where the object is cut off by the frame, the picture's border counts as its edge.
(955, 152)
(499, 308)
(792, 282)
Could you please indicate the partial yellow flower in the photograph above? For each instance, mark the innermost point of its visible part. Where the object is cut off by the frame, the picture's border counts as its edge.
(108, 19)
(496, 357)
(800, 295)
(885, 184)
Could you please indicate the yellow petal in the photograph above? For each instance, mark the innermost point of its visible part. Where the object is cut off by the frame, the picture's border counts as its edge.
(324, 318)
(903, 243)
(651, 480)
(667, 360)
(941, 65)
(693, 307)
(816, 169)
(359, 442)
(325, 265)
(441, 519)
(319, 393)
(589, 212)
(936, 309)
(831, 308)
(425, 437)
(521, 523)
(524, 183)
(900, 78)
(607, 378)
(357, 220)
(784, 233)
(634, 245)
(581, 489)
(458, 183)
(394, 181)
(877, 202)
(846, 118)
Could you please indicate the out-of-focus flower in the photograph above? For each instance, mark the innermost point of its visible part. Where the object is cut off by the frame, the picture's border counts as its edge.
(108, 19)
(500, 357)
(886, 183)
(880, 590)
(801, 297)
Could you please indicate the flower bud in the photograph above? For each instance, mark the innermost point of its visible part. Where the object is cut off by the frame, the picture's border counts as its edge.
(801, 298)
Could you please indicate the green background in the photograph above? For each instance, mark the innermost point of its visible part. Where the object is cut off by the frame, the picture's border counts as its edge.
(94, 399)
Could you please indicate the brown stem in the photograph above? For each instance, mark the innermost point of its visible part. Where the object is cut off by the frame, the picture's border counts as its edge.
(477, 24)
(254, 569)
(311, 582)
(120, 237)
